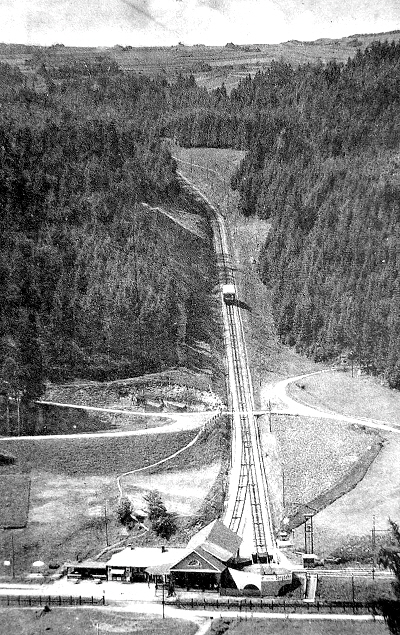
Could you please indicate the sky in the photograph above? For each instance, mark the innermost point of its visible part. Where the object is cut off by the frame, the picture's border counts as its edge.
(167, 22)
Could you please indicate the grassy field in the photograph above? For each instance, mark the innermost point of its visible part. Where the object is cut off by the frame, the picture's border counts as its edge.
(354, 396)
(85, 621)
(14, 500)
(80, 457)
(317, 454)
(74, 492)
(365, 589)
(304, 627)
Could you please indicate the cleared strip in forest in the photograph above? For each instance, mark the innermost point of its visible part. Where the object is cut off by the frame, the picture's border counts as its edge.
(193, 229)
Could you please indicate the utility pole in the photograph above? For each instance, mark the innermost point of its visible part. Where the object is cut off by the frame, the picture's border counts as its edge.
(373, 547)
(12, 557)
(269, 415)
(106, 522)
(308, 533)
(163, 597)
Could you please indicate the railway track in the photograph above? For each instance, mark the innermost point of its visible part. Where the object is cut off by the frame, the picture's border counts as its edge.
(248, 499)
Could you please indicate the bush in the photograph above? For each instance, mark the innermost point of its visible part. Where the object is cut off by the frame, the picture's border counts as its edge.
(124, 511)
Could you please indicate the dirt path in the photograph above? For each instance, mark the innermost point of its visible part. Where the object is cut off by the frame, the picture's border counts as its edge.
(148, 467)
(277, 395)
(180, 423)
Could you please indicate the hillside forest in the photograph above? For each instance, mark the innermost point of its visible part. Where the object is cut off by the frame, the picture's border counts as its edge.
(88, 287)
(323, 166)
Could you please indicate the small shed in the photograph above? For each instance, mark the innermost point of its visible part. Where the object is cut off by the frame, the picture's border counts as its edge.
(86, 570)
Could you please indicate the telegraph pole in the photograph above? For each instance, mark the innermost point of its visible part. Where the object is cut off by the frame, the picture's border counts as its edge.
(373, 547)
(106, 522)
(12, 557)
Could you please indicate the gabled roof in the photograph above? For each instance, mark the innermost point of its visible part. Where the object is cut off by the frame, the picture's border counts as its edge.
(199, 560)
(217, 540)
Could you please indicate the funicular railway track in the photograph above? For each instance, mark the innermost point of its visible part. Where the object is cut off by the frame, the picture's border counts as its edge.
(248, 489)
(251, 481)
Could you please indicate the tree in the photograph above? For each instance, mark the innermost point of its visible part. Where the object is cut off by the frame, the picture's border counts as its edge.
(155, 505)
(163, 523)
(166, 526)
(124, 511)
(389, 557)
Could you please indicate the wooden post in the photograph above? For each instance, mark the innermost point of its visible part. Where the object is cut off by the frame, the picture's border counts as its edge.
(106, 522)
(12, 557)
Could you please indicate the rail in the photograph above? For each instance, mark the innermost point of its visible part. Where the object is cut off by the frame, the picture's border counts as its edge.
(248, 469)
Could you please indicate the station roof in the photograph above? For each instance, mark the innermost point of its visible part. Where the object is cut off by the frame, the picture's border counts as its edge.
(87, 564)
(218, 540)
(143, 557)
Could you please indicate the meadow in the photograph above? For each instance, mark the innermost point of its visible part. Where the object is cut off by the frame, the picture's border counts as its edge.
(76, 621)
(14, 500)
(304, 627)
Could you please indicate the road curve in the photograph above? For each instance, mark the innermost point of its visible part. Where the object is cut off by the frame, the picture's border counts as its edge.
(277, 394)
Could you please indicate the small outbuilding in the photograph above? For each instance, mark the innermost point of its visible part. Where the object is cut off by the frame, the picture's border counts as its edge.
(86, 570)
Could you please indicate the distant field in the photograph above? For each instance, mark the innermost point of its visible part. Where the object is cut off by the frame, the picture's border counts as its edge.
(353, 396)
(82, 621)
(14, 500)
(211, 65)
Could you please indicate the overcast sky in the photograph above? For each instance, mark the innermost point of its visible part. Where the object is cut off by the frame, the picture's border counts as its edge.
(165, 22)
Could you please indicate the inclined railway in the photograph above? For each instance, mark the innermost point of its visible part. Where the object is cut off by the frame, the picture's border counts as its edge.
(248, 501)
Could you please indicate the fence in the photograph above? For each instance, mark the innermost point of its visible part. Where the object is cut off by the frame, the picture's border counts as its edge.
(270, 605)
(50, 600)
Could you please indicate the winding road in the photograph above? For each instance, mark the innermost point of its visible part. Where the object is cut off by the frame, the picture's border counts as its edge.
(277, 394)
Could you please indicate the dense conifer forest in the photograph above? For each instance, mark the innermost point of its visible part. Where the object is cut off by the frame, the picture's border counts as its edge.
(323, 164)
(90, 284)
(86, 288)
